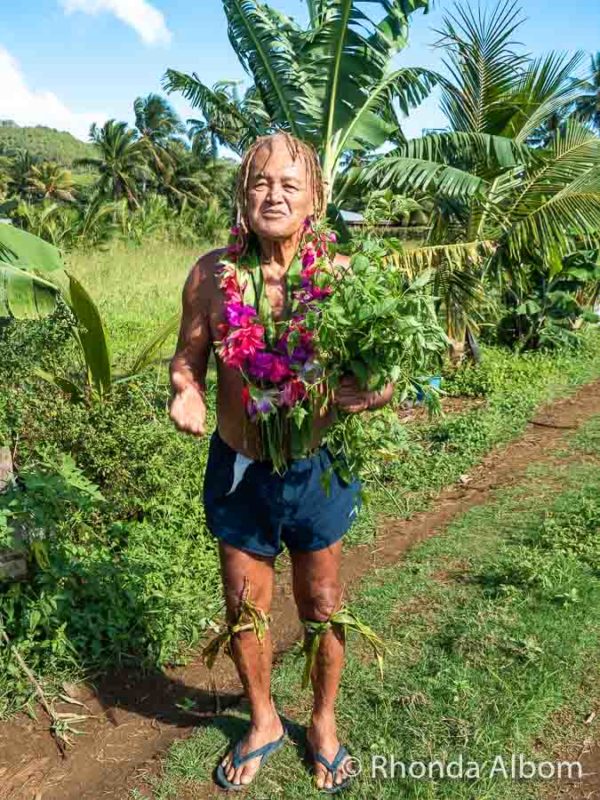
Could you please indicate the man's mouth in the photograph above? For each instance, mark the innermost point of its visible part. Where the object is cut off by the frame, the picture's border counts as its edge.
(273, 213)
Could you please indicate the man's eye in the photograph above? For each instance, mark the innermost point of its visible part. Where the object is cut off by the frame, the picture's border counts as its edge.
(291, 187)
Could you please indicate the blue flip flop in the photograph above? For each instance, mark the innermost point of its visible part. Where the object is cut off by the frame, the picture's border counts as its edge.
(238, 759)
(331, 766)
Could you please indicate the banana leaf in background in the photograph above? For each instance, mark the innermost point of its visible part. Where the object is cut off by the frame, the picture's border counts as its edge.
(29, 269)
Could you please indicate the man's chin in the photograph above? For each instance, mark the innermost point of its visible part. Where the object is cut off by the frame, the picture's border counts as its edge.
(278, 230)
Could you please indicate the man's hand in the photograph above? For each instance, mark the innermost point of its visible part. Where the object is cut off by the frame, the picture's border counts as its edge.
(351, 398)
(188, 411)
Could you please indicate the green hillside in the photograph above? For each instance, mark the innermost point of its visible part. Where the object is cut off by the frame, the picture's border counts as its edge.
(46, 143)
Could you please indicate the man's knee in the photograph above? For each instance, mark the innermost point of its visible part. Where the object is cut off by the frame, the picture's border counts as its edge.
(320, 602)
(239, 595)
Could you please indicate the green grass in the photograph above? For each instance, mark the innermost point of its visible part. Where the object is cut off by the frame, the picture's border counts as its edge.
(136, 289)
(491, 628)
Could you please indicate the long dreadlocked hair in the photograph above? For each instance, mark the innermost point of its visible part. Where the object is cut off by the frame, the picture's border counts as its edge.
(297, 149)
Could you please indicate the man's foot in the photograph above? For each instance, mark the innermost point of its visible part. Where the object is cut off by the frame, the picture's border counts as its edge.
(258, 735)
(322, 738)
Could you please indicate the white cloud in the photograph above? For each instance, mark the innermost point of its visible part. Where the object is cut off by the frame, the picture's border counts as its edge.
(27, 106)
(143, 17)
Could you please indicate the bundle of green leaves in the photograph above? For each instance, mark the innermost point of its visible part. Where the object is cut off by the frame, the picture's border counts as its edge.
(379, 325)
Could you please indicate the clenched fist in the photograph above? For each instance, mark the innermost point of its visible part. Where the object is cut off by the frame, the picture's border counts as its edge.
(188, 411)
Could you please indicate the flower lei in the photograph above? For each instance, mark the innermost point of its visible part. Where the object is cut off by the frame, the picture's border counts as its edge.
(278, 361)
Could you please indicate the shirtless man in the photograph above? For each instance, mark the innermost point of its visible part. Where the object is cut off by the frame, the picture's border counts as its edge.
(249, 509)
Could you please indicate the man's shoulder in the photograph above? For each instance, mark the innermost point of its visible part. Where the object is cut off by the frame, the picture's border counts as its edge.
(209, 262)
(204, 269)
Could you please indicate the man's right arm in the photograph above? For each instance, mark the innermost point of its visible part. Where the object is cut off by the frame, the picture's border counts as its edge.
(189, 364)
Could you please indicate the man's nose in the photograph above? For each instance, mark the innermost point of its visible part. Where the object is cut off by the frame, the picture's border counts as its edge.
(275, 193)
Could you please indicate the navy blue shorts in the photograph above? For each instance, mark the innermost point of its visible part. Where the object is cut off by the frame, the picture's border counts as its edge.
(252, 508)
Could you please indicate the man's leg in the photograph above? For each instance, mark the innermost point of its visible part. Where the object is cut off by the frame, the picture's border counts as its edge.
(252, 658)
(317, 592)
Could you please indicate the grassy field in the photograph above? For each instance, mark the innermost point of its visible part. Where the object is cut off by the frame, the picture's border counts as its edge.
(136, 288)
(491, 628)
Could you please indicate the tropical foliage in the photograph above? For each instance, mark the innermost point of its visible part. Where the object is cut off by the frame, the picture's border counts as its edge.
(331, 83)
(588, 103)
(509, 192)
(515, 182)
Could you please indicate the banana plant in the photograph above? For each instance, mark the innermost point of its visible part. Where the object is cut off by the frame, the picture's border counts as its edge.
(330, 83)
(32, 279)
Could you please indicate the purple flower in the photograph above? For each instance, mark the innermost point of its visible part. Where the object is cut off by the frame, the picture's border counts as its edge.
(308, 258)
(269, 367)
(265, 401)
(239, 315)
(301, 354)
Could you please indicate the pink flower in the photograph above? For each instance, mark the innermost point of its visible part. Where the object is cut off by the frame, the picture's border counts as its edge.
(332, 237)
(230, 286)
(234, 250)
(293, 392)
(241, 344)
(235, 230)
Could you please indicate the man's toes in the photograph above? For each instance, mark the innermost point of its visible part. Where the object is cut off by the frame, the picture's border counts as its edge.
(236, 775)
(320, 777)
(229, 771)
(246, 775)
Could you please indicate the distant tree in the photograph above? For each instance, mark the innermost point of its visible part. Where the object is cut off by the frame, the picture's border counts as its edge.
(157, 124)
(121, 161)
(204, 145)
(156, 119)
(51, 181)
(19, 171)
(588, 104)
(230, 120)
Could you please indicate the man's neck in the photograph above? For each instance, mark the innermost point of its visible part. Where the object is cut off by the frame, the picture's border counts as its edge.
(276, 256)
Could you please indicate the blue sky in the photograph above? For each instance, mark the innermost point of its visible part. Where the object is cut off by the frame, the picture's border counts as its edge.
(67, 63)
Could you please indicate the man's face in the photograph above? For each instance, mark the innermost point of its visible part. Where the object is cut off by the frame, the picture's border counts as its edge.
(279, 195)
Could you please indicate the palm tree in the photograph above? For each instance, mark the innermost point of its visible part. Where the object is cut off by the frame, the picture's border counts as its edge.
(499, 202)
(121, 161)
(230, 121)
(588, 104)
(183, 175)
(203, 145)
(155, 119)
(19, 170)
(4, 175)
(51, 181)
(157, 124)
(331, 84)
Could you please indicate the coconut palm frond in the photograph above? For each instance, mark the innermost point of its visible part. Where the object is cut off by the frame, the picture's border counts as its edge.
(483, 63)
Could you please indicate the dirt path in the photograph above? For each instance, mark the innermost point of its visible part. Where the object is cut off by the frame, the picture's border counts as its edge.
(137, 719)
